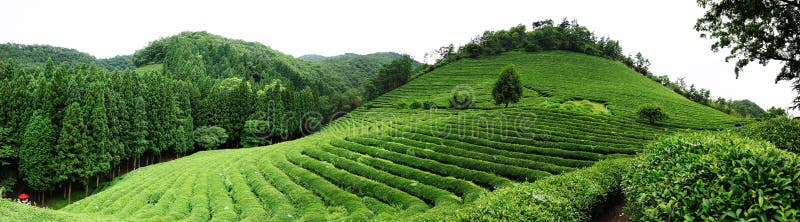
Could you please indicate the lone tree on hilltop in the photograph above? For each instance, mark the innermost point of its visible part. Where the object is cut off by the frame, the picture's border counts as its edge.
(508, 88)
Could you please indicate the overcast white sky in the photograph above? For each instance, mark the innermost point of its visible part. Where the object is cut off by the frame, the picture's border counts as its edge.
(661, 30)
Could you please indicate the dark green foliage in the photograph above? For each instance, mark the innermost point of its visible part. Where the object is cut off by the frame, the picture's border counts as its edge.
(8, 156)
(775, 112)
(256, 133)
(354, 68)
(36, 163)
(508, 88)
(99, 151)
(755, 31)
(713, 176)
(780, 131)
(73, 149)
(390, 76)
(747, 109)
(461, 99)
(210, 137)
(33, 57)
(652, 113)
(568, 197)
(428, 105)
(415, 105)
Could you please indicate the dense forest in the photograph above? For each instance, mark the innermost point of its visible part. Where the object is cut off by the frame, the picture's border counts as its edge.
(74, 120)
(571, 36)
(31, 57)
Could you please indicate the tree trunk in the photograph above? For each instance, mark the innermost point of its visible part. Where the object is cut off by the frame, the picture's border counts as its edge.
(506, 105)
(69, 193)
(86, 193)
(134, 162)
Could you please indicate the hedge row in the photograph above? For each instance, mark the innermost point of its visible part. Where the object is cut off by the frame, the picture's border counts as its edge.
(200, 209)
(159, 204)
(541, 140)
(359, 185)
(598, 130)
(478, 177)
(310, 206)
(181, 207)
(147, 193)
(558, 131)
(567, 197)
(248, 205)
(547, 167)
(466, 190)
(277, 206)
(510, 171)
(508, 146)
(569, 163)
(625, 126)
(222, 207)
(782, 132)
(431, 194)
(174, 204)
(329, 192)
(165, 200)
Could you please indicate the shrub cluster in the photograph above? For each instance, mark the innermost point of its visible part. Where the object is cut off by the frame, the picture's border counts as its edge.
(466, 189)
(713, 176)
(567, 197)
(515, 172)
(782, 132)
(423, 191)
(478, 177)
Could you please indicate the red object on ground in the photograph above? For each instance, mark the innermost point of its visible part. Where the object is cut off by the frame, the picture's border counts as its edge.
(23, 196)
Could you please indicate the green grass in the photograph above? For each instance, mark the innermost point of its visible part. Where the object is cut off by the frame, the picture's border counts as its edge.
(151, 68)
(380, 162)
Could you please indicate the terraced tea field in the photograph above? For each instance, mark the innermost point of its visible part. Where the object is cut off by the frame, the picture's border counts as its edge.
(382, 163)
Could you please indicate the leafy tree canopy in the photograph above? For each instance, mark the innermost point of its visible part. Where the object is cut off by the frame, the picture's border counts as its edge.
(756, 31)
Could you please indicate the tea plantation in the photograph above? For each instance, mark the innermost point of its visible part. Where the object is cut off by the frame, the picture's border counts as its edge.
(389, 160)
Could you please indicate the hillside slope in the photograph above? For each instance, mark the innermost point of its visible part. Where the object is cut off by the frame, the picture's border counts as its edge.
(384, 161)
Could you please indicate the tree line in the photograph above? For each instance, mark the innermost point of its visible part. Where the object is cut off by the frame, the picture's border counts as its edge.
(72, 125)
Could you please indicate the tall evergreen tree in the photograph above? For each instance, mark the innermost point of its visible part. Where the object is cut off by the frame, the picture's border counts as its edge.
(73, 149)
(99, 155)
(36, 161)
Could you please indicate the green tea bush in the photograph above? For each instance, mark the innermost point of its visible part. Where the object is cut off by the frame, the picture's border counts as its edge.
(480, 140)
(550, 168)
(515, 172)
(276, 204)
(712, 176)
(782, 132)
(308, 205)
(428, 105)
(331, 193)
(567, 197)
(423, 191)
(415, 105)
(358, 185)
(467, 190)
(479, 177)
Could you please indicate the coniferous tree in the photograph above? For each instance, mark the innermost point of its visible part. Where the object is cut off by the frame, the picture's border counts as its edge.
(37, 164)
(99, 154)
(73, 149)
